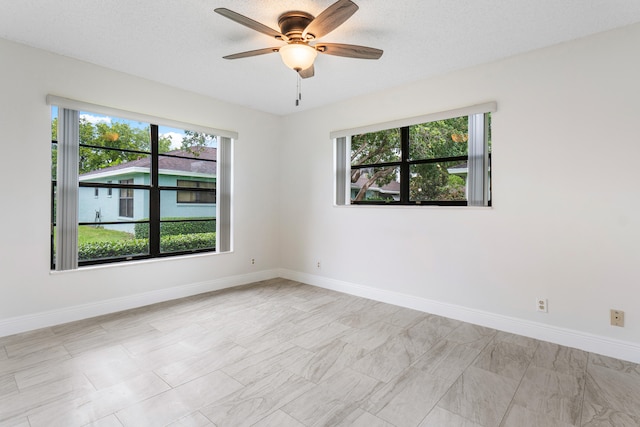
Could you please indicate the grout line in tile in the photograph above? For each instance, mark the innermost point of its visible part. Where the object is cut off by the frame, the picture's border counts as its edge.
(584, 389)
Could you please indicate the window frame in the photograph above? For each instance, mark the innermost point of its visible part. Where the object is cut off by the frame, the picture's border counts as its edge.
(343, 167)
(68, 259)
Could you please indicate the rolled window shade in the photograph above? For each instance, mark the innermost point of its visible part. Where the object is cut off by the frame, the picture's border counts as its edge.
(489, 107)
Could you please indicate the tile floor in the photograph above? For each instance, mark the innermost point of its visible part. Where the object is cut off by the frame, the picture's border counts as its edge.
(280, 353)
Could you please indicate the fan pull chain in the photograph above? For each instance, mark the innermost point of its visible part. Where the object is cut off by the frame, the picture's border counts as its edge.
(299, 90)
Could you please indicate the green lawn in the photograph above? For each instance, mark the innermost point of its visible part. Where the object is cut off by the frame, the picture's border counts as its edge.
(89, 234)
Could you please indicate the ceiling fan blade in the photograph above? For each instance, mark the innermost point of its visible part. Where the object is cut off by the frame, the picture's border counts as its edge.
(248, 22)
(331, 18)
(349, 50)
(309, 72)
(252, 53)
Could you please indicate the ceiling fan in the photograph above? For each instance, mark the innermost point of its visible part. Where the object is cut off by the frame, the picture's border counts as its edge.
(299, 29)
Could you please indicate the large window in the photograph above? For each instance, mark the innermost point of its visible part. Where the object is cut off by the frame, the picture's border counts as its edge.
(442, 161)
(149, 164)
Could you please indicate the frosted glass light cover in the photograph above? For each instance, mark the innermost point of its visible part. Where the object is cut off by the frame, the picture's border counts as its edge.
(298, 56)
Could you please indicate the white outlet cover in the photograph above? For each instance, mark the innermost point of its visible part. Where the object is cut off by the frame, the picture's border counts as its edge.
(542, 305)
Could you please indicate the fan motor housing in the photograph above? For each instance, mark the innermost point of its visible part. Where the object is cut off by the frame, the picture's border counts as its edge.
(293, 23)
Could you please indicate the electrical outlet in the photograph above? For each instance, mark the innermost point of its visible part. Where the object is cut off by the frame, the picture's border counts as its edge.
(542, 305)
(617, 318)
(318, 265)
(253, 261)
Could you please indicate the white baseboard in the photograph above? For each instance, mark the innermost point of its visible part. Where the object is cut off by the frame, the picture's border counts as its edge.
(571, 338)
(31, 322)
(593, 343)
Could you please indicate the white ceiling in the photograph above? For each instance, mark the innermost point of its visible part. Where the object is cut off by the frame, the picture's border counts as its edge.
(181, 43)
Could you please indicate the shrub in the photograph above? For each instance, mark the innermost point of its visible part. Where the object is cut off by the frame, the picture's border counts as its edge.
(122, 248)
(187, 242)
(112, 249)
(177, 228)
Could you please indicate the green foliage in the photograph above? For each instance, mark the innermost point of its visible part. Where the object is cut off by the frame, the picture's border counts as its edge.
(177, 228)
(54, 149)
(121, 248)
(54, 129)
(122, 135)
(456, 181)
(452, 192)
(193, 141)
(187, 242)
(54, 162)
(117, 248)
(439, 139)
(376, 197)
(372, 148)
(376, 147)
(117, 135)
(90, 234)
(442, 138)
(452, 189)
(98, 243)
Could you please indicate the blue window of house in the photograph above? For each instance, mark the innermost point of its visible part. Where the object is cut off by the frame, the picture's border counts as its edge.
(202, 191)
(126, 199)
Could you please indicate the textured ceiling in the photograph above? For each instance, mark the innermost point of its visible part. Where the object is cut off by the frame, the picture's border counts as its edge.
(181, 43)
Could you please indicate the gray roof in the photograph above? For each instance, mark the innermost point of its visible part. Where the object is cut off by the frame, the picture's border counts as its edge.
(196, 161)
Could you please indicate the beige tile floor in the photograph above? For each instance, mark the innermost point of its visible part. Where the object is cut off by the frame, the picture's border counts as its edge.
(280, 353)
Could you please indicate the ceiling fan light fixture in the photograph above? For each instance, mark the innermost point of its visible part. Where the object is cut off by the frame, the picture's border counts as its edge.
(297, 29)
(298, 56)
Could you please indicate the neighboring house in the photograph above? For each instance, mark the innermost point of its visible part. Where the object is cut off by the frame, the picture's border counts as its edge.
(107, 204)
(390, 191)
(461, 169)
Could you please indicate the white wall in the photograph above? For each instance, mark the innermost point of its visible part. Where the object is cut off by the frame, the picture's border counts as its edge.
(565, 222)
(32, 296)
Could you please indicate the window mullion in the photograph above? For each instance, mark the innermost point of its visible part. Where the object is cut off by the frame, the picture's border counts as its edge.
(404, 167)
(154, 196)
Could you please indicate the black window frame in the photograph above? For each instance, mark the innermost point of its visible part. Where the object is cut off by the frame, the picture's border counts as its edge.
(404, 164)
(154, 221)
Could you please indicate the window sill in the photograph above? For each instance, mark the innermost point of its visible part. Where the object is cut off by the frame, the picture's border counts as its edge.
(418, 207)
(140, 262)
